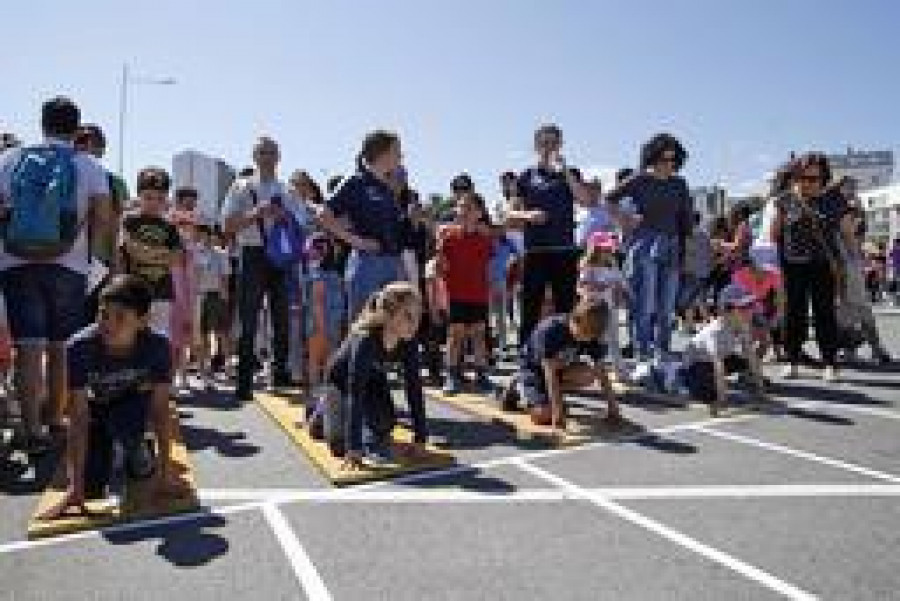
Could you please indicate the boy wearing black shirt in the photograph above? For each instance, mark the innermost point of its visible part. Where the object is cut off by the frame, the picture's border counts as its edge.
(551, 364)
(119, 378)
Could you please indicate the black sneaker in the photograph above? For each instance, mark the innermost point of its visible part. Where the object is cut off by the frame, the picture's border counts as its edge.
(508, 398)
(140, 463)
(282, 380)
(244, 394)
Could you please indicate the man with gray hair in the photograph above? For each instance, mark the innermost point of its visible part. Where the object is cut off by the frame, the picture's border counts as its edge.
(251, 210)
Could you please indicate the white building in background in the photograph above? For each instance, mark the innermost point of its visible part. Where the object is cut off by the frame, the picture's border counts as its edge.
(710, 202)
(210, 176)
(870, 168)
(882, 208)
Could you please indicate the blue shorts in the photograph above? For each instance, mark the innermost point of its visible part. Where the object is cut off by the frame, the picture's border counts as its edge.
(44, 302)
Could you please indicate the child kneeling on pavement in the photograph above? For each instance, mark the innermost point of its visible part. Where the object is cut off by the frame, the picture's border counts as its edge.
(551, 365)
(722, 347)
(119, 379)
(356, 413)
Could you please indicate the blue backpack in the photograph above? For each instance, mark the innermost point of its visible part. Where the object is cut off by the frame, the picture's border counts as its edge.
(43, 221)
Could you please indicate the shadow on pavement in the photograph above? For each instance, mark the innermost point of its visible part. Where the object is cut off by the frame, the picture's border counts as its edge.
(228, 444)
(185, 545)
(474, 480)
(835, 394)
(657, 442)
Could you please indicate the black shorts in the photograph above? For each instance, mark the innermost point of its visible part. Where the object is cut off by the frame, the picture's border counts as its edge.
(467, 313)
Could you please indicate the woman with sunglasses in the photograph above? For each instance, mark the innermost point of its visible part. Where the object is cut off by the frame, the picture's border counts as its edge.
(806, 227)
(662, 220)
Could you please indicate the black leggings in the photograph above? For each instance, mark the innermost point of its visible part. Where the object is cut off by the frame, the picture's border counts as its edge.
(807, 283)
(556, 268)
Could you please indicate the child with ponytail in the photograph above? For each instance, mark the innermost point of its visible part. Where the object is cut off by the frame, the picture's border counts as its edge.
(357, 408)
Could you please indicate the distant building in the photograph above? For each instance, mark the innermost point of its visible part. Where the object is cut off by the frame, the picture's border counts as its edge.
(882, 209)
(210, 176)
(709, 201)
(870, 168)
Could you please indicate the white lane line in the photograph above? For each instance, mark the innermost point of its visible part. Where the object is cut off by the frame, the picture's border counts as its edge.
(129, 527)
(304, 569)
(450, 495)
(748, 491)
(801, 454)
(530, 455)
(850, 408)
(385, 496)
(752, 572)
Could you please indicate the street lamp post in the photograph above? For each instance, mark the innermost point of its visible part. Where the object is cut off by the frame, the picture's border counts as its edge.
(123, 105)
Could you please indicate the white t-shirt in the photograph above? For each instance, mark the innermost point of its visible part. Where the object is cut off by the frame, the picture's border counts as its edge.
(605, 281)
(90, 181)
(715, 341)
(239, 200)
(211, 265)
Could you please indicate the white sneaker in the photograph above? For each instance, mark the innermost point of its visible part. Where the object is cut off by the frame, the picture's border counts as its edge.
(790, 372)
(830, 374)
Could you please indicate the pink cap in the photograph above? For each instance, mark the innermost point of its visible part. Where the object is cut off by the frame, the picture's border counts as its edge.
(607, 241)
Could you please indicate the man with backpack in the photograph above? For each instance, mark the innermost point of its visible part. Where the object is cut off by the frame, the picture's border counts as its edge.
(55, 205)
(267, 222)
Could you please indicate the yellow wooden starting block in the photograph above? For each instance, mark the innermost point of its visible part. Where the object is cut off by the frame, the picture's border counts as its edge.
(581, 427)
(287, 416)
(140, 500)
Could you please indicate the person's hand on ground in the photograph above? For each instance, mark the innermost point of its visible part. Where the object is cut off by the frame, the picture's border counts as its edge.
(353, 460)
(411, 450)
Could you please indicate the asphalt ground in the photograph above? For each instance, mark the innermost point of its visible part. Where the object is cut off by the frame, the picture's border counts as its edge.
(799, 501)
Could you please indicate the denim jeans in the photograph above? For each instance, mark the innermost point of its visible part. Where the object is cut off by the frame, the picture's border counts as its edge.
(259, 278)
(366, 274)
(653, 278)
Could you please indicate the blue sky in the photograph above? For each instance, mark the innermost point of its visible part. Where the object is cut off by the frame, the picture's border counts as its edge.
(465, 82)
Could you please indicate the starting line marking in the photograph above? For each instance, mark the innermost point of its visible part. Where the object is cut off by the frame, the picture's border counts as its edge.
(625, 493)
(128, 527)
(749, 571)
(784, 450)
(303, 567)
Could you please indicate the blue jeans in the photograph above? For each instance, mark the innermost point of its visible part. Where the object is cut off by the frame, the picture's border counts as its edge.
(653, 278)
(367, 274)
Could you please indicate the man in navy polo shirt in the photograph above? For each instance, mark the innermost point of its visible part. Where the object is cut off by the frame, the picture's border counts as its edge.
(544, 206)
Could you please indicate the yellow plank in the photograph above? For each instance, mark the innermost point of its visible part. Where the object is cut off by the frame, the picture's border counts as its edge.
(287, 416)
(580, 427)
(139, 503)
